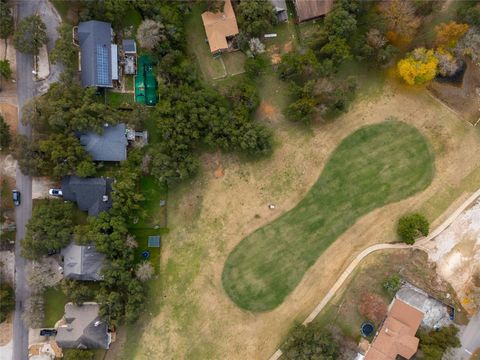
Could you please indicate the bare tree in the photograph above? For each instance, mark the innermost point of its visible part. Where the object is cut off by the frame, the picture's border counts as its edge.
(131, 242)
(41, 275)
(376, 39)
(149, 34)
(400, 17)
(33, 313)
(144, 271)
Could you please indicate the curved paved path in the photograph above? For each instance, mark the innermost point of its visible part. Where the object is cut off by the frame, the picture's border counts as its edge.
(346, 273)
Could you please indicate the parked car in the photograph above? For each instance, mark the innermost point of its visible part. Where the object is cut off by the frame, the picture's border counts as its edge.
(16, 197)
(48, 332)
(55, 192)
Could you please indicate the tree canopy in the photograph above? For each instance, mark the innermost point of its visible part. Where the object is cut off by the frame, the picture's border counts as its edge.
(4, 133)
(310, 342)
(6, 21)
(419, 67)
(49, 229)
(30, 35)
(433, 344)
(255, 17)
(411, 226)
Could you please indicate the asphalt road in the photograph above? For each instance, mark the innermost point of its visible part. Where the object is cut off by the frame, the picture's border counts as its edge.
(25, 90)
(470, 337)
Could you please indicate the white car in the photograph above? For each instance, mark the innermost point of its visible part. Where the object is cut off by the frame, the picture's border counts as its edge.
(55, 192)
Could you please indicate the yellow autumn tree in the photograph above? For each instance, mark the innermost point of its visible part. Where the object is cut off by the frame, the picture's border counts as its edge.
(449, 34)
(419, 67)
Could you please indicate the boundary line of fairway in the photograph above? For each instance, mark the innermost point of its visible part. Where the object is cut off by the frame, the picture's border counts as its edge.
(346, 273)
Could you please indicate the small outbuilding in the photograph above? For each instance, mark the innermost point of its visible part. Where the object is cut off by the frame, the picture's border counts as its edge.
(280, 9)
(312, 9)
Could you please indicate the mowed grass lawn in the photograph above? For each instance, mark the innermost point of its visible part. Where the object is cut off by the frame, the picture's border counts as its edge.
(376, 165)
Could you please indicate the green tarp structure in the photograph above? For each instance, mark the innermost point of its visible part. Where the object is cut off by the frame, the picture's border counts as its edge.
(145, 82)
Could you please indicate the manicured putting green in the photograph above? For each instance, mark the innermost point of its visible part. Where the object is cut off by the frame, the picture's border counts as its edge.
(374, 166)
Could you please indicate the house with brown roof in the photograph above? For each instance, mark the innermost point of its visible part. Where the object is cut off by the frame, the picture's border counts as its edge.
(397, 334)
(221, 28)
(312, 9)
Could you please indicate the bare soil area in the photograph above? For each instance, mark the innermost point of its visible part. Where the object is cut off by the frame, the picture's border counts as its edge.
(457, 254)
(465, 98)
(209, 216)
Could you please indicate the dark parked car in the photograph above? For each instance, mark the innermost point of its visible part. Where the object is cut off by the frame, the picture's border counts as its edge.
(48, 332)
(16, 197)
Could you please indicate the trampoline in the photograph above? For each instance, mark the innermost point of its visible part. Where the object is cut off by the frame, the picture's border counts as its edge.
(367, 329)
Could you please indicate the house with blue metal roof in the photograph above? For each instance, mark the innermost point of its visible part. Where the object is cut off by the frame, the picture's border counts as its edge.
(98, 56)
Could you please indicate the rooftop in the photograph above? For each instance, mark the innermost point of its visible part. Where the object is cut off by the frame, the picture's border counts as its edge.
(82, 328)
(312, 9)
(90, 194)
(82, 262)
(397, 334)
(219, 26)
(95, 38)
(109, 146)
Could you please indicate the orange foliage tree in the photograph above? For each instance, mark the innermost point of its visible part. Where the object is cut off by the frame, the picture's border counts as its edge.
(449, 34)
(419, 67)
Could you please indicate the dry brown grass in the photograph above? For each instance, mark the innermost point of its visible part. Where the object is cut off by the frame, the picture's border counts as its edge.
(210, 216)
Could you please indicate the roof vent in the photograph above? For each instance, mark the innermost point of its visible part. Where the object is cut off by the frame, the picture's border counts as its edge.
(105, 198)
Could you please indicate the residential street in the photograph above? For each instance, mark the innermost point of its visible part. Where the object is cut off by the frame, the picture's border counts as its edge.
(470, 338)
(26, 89)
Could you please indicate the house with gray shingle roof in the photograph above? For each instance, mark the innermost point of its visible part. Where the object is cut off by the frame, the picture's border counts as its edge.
(82, 262)
(280, 9)
(82, 328)
(96, 66)
(111, 145)
(90, 194)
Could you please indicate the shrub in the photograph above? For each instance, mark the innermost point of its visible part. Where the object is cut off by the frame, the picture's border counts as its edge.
(419, 67)
(433, 344)
(391, 285)
(7, 301)
(4, 134)
(412, 226)
(310, 342)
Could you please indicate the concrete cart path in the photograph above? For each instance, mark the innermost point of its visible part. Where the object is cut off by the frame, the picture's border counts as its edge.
(419, 244)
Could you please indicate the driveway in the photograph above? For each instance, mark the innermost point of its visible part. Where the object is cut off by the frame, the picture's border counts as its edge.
(470, 338)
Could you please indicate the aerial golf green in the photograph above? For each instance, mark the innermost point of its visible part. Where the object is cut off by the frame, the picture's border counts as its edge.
(376, 165)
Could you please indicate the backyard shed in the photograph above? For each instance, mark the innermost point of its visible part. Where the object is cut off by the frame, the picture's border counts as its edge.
(312, 9)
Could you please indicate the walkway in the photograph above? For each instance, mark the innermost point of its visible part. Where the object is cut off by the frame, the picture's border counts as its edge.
(419, 244)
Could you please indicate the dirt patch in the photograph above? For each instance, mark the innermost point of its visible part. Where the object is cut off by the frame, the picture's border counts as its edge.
(267, 110)
(10, 113)
(197, 319)
(7, 266)
(464, 99)
(274, 53)
(8, 166)
(457, 254)
(40, 187)
(6, 329)
(287, 47)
